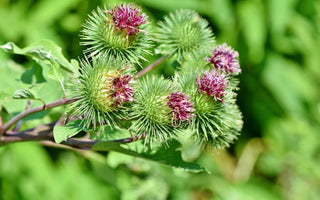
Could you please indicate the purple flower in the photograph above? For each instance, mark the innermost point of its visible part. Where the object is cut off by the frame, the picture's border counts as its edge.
(122, 90)
(225, 59)
(181, 106)
(213, 84)
(127, 18)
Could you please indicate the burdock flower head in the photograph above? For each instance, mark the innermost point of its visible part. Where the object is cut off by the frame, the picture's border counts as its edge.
(119, 32)
(213, 84)
(150, 111)
(127, 18)
(183, 32)
(181, 107)
(102, 87)
(225, 59)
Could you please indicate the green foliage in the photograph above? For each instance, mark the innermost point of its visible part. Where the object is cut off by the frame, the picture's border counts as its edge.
(23, 94)
(170, 156)
(43, 50)
(32, 83)
(61, 133)
(36, 170)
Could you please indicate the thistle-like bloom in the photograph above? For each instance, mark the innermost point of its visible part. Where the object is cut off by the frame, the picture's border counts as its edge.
(213, 84)
(117, 33)
(122, 90)
(127, 18)
(102, 88)
(181, 107)
(150, 112)
(225, 59)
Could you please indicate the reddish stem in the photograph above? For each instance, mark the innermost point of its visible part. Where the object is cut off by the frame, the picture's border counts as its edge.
(150, 67)
(45, 133)
(25, 113)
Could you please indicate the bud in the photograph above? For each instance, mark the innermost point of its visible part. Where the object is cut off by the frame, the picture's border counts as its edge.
(215, 125)
(183, 32)
(112, 90)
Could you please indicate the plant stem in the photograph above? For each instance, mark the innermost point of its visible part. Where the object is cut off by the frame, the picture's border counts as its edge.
(87, 144)
(42, 132)
(19, 123)
(45, 133)
(150, 67)
(25, 113)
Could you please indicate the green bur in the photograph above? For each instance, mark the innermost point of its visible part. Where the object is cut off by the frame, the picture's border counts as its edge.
(150, 111)
(101, 37)
(183, 32)
(93, 86)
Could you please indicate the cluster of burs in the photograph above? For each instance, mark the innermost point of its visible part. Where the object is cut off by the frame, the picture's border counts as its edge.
(198, 101)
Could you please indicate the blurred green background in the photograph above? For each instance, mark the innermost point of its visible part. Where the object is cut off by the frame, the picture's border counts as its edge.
(276, 157)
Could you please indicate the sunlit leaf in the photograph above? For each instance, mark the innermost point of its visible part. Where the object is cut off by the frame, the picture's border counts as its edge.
(170, 156)
(61, 133)
(33, 75)
(43, 50)
(55, 73)
(23, 94)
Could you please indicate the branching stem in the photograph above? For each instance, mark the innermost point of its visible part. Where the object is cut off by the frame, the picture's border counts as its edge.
(88, 144)
(150, 67)
(45, 133)
(27, 112)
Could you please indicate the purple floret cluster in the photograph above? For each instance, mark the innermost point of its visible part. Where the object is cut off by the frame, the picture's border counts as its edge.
(213, 84)
(225, 59)
(127, 18)
(181, 106)
(122, 89)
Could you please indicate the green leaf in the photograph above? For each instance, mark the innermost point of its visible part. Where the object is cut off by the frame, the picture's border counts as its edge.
(75, 64)
(6, 94)
(23, 94)
(43, 50)
(170, 156)
(61, 133)
(33, 75)
(9, 76)
(55, 73)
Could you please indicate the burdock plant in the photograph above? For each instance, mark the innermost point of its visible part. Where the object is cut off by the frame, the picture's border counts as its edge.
(104, 94)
